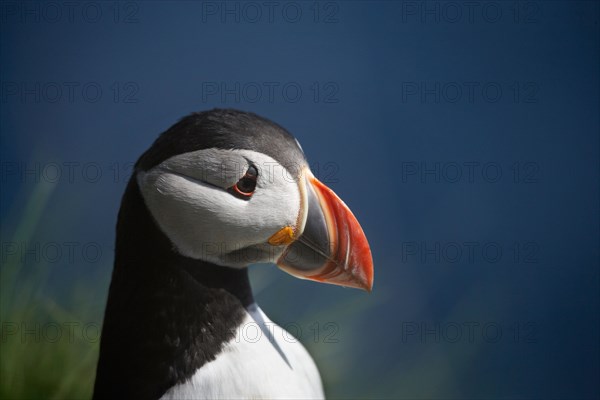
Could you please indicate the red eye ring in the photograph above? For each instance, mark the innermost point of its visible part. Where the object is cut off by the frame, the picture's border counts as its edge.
(238, 191)
(245, 187)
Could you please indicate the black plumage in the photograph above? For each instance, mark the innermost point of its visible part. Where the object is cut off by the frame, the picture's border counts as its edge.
(225, 129)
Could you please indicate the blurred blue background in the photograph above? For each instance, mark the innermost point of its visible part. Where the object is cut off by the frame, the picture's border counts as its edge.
(463, 135)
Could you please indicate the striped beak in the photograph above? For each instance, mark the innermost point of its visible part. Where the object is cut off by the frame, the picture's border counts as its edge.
(332, 247)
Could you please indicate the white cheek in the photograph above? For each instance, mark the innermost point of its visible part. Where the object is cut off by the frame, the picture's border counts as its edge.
(276, 202)
(206, 222)
(188, 213)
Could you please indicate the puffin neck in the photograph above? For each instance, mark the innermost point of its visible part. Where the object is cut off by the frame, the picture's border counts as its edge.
(232, 280)
(141, 245)
(166, 315)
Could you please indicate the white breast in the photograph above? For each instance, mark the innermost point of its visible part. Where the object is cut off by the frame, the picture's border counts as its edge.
(250, 366)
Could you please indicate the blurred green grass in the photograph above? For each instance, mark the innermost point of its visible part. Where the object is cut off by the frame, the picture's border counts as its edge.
(48, 350)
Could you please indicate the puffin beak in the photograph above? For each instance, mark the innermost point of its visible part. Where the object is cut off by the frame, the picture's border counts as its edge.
(332, 247)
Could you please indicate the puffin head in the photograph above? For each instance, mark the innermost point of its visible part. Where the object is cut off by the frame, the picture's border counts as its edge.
(232, 188)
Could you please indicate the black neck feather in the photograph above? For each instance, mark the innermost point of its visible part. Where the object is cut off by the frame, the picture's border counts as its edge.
(166, 314)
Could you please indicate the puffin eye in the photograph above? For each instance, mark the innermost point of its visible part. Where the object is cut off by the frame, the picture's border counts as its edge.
(244, 188)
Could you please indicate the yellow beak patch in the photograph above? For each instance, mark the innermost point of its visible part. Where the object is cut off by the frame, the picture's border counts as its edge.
(283, 236)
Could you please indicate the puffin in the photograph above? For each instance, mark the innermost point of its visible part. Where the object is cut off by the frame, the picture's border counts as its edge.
(217, 192)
